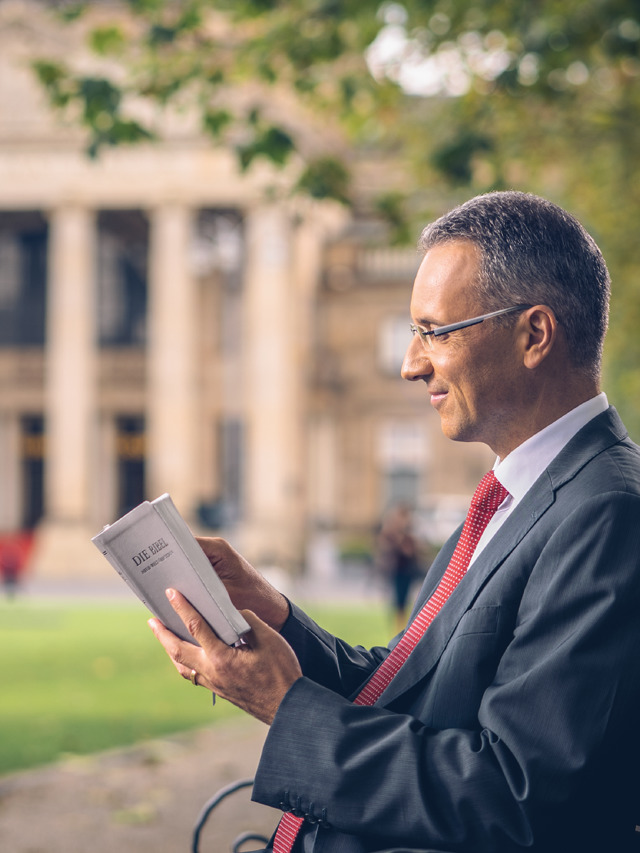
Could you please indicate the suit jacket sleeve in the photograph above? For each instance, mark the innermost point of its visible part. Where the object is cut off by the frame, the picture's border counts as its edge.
(556, 709)
(328, 660)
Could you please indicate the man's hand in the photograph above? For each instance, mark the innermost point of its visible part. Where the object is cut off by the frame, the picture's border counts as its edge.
(254, 676)
(247, 588)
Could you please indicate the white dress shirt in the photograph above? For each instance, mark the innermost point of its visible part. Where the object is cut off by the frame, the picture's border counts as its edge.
(521, 468)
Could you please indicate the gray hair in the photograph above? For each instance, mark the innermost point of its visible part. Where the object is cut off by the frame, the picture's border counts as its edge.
(534, 253)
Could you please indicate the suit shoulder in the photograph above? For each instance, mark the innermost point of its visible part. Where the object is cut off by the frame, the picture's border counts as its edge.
(614, 469)
(599, 458)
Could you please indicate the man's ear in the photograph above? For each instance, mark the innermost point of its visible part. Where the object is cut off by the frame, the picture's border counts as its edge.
(540, 332)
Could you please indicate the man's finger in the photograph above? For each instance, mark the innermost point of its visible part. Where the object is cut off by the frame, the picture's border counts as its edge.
(176, 648)
(258, 628)
(199, 629)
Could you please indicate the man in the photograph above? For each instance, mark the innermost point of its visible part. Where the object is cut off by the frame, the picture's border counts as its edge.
(511, 723)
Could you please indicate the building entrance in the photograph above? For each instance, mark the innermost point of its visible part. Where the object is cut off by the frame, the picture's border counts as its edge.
(130, 447)
(32, 453)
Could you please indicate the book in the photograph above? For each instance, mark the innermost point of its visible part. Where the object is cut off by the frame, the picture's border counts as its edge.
(152, 549)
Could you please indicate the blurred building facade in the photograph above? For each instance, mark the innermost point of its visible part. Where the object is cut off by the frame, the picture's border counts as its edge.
(166, 327)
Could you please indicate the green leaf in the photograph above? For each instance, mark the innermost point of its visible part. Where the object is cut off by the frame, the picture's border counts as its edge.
(49, 73)
(391, 207)
(190, 19)
(276, 144)
(267, 72)
(249, 8)
(118, 131)
(454, 158)
(159, 34)
(215, 121)
(56, 80)
(100, 99)
(70, 12)
(272, 143)
(129, 132)
(215, 77)
(325, 178)
(146, 7)
(107, 40)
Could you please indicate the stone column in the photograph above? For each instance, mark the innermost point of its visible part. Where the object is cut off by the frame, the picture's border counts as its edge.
(105, 479)
(10, 455)
(171, 410)
(272, 375)
(322, 562)
(320, 468)
(70, 363)
(63, 545)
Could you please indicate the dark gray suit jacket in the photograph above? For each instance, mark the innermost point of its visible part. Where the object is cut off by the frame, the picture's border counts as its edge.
(514, 724)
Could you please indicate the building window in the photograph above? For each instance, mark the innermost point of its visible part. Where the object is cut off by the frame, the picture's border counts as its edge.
(218, 246)
(393, 338)
(401, 487)
(23, 279)
(130, 453)
(32, 452)
(402, 456)
(123, 249)
(217, 253)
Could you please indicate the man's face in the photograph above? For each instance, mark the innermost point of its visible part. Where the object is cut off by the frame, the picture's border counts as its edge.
(473, 375)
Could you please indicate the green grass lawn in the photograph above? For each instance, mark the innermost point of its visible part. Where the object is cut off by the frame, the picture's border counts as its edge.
(78, 678)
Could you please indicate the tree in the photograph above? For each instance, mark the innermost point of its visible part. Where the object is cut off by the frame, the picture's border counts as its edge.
(471, 95)
(235, 65)
(545, 97)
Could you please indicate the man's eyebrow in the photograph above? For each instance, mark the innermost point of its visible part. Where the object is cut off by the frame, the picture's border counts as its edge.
(424, 321)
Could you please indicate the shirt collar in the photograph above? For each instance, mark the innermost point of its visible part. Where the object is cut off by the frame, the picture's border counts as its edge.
(521, 468)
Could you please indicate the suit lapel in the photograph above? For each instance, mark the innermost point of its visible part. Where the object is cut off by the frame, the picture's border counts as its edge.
(599, 434)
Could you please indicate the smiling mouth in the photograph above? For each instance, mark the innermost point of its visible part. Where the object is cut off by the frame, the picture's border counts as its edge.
(437, 397)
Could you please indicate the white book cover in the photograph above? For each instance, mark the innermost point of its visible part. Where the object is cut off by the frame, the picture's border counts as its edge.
(152, 549)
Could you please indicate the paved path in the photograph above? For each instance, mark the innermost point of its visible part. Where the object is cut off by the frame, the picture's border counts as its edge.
(145, 799)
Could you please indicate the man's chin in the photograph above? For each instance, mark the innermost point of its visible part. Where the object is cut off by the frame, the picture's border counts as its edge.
(456, 431)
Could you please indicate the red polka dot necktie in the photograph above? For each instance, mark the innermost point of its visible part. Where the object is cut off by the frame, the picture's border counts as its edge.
(486, 500)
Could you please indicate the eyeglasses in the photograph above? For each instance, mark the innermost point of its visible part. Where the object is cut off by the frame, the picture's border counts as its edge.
(430, 337)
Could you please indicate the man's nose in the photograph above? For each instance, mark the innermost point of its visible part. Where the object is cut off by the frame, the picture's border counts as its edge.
(416, 364)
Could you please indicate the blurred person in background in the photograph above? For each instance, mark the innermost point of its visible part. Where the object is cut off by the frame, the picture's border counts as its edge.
(397, 559)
